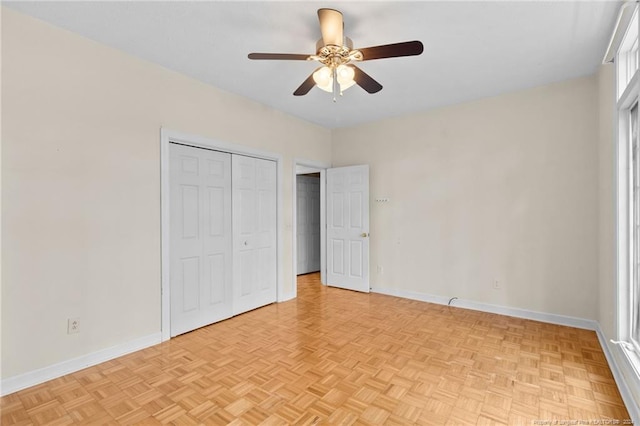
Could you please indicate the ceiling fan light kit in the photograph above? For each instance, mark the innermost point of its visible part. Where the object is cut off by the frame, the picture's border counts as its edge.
(335, 52)
(325, 78)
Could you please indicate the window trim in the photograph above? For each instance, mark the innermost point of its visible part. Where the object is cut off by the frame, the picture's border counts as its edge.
(623, 57)
(627, 97)
(627, 100)
(626, 115)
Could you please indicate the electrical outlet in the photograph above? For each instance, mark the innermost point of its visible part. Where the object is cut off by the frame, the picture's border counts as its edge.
(496, 285)
(380, 269)
(73, 325)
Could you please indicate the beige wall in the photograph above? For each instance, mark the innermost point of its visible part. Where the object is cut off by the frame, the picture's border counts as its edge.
(607, 202)
(81, 185)
(502, 189)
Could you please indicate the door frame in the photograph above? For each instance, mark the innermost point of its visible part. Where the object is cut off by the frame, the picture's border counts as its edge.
(167, 136)
(313, 167)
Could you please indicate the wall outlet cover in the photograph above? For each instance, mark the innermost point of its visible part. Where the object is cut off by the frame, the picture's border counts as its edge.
(73, 325)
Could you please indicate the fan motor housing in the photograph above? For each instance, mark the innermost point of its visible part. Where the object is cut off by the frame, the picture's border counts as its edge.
(348, 43)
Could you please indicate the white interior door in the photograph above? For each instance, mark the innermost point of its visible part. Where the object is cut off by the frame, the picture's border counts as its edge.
(302, 225)
(348, 227)
(200, 237)
(308, 224)
(254, 230)
(314, 224)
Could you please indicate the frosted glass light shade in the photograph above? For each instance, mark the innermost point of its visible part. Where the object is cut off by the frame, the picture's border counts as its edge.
(345, 76)
(323, 79)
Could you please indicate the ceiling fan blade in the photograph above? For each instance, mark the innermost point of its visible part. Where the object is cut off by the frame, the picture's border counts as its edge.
(279, 56)
(306, 86)
(395, 50)
(331, 27)
(365, 81)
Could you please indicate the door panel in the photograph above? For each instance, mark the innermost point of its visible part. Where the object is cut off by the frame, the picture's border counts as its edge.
(337, 209)
(217, 215)
(355, 210)
(216, 264)
(356, 258)
(348, 227)
(313, 212)
(337, 266)
(190, 284)
(200, 237)
(302, 243)
(308, 224)
(254, 244)
(190, 211)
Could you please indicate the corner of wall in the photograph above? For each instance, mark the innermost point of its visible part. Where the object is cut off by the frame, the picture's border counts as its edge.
(607, 264)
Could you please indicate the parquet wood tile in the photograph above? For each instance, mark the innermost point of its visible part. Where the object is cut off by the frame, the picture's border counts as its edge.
(336, 357)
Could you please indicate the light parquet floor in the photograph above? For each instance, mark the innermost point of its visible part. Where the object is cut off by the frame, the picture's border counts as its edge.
(338, 357)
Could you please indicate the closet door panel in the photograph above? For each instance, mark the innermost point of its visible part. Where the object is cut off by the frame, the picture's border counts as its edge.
(200, 237)
(216, 294)
(254, 251)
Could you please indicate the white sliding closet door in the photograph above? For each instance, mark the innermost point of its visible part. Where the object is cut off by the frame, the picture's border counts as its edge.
(254, 230)
(200, 237)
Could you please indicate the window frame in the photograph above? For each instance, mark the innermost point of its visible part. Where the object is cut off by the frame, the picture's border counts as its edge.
(628, 96)
(634, 216)
(626, 58)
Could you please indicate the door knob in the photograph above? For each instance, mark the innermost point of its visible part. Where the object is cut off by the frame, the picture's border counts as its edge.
(364, 234)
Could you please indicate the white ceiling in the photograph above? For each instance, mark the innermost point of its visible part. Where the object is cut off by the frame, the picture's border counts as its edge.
(472, 49)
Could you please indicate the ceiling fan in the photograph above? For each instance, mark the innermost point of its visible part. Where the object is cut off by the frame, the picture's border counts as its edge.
(336, 54)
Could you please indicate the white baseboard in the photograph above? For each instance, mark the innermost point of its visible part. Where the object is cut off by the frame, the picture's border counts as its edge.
(32, 378)
(625, 391)
(494, 309)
